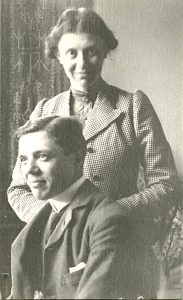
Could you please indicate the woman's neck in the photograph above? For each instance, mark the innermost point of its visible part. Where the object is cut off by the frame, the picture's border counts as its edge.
(93, 89)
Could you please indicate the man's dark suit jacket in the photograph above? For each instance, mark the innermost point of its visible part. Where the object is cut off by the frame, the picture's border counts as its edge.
(94, 231)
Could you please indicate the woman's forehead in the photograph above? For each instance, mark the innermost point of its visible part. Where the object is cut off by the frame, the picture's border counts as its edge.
(79, 39)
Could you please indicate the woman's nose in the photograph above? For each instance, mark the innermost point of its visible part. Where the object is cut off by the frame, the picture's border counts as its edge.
(81, 59)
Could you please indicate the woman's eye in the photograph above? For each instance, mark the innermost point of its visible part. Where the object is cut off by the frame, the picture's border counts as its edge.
(92, 52)
(22, 159)
(71, 53)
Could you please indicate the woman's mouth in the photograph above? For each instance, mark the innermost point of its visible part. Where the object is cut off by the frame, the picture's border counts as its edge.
(82, 74)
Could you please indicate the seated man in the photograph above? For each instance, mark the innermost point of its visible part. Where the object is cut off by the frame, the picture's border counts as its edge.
(79, 245)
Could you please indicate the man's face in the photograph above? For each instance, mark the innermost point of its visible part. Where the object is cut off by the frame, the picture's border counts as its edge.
(47, 170)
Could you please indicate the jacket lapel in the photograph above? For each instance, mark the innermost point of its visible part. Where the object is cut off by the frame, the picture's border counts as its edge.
(60, 228)
(103, 114)
(33, 231)
(25, 256)
(80, 199)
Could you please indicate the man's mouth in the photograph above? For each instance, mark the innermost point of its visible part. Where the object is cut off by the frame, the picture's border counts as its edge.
(36, 183)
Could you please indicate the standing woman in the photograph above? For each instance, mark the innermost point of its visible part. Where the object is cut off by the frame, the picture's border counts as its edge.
(121, 129)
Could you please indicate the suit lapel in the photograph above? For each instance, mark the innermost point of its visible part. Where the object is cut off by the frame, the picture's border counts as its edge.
(33, 231)
(103, 114)
(60, 228)
(80, 199)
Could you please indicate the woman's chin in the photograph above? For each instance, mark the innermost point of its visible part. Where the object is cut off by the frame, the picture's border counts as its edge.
(82, 86)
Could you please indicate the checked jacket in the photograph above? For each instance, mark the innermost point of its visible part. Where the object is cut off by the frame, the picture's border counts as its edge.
(122, 131)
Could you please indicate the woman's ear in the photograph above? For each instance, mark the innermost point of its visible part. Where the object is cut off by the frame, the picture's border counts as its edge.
(57, 55)
(105, 54)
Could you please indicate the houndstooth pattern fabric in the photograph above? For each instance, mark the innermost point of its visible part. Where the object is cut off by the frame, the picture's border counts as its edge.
(122, 131)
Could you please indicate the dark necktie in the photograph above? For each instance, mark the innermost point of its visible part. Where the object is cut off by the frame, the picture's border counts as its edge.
(53, 220)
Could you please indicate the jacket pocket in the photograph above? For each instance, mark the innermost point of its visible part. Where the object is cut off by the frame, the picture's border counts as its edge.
(72, 278)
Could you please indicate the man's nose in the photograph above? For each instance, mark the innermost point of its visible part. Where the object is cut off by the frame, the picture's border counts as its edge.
(31, 167)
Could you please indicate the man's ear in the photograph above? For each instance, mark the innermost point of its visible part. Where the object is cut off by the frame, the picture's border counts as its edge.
(79, 159)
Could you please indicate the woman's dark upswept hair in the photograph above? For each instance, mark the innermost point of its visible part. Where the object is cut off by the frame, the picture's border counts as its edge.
(79, 20)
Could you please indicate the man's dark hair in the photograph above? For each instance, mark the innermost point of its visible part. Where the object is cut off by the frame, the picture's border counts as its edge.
(67, 132)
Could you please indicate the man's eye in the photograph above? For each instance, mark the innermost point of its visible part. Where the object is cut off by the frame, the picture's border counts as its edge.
(43, 157)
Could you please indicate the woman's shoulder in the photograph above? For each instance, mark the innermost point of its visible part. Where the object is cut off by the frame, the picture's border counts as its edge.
(136, 95)
(115, 91)
(58, 97)
(121, 97)
(49, 106)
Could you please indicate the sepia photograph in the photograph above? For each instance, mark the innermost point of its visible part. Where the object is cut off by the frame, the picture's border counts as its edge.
(91, 149)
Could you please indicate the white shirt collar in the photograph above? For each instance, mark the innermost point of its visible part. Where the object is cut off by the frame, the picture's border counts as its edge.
(63, 199)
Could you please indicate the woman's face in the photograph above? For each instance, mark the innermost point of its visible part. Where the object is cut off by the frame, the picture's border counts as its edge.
(82, 56)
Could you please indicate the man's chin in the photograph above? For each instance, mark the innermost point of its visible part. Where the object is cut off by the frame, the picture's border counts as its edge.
(40, 196)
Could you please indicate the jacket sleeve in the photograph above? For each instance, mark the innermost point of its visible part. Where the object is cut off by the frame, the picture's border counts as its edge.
(158, 201)
(106, 274)
(19, 195)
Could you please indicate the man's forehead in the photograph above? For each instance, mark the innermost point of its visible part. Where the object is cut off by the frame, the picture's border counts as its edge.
(36, 141)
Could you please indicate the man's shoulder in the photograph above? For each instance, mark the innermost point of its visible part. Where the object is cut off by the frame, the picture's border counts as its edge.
(108, 209)
(109, 217)
(97, 199)
(103, 208)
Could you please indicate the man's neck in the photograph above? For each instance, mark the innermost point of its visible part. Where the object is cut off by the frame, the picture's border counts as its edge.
(59, 201)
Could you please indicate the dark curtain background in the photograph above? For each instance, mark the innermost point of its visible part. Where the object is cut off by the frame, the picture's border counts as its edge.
(26, 77)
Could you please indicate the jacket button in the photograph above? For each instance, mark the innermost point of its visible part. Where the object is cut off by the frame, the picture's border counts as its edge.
(96, 178)
(90, 150)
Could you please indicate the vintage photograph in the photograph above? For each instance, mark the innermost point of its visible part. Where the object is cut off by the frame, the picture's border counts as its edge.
(91, 149)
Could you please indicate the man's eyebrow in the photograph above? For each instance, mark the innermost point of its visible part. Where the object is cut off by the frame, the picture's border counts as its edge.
(45, 151)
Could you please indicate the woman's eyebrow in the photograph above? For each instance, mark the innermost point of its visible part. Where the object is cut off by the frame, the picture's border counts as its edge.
(21, 155)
